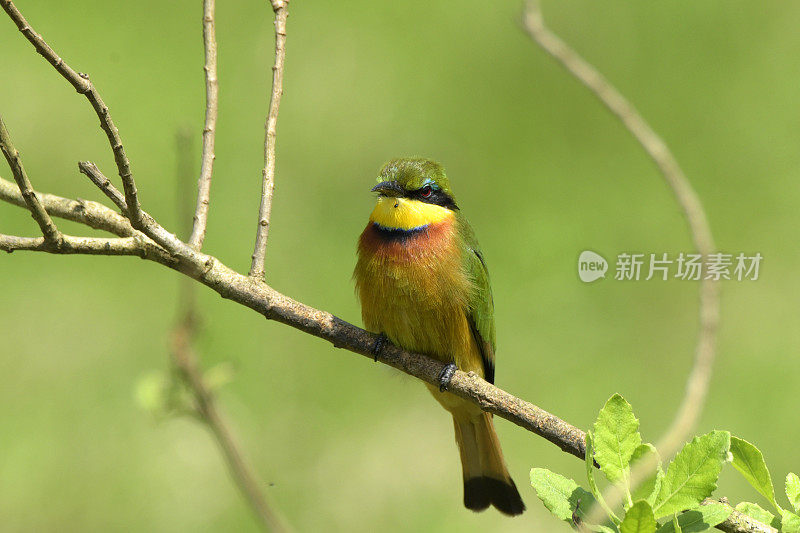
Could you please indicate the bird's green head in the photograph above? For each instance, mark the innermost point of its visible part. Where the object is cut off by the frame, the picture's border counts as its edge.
(416, 178)
(412, 193)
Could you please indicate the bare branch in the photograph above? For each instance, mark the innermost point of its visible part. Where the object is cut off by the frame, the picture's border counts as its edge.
(700, 374)
(135, 246)
(281, 9)
(148, 225)
(85, 87)
(138, 218)
(92, 214)
(51, 234)
(200, 219)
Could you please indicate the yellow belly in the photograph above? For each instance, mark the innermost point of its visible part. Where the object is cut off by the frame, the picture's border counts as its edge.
(441, 331)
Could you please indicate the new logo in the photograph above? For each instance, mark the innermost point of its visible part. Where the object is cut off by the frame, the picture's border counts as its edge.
(591, 266)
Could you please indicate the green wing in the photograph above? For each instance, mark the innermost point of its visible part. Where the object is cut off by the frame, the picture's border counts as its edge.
(481, 305)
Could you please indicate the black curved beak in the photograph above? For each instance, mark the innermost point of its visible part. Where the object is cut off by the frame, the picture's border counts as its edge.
(389, 188)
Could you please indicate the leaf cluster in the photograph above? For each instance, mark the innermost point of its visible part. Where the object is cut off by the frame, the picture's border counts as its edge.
(668, 501)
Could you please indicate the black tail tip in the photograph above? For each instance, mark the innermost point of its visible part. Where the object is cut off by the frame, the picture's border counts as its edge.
(481, 492)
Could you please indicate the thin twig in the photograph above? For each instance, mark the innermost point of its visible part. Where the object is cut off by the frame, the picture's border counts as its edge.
(103, 183)
(700, 374)
(281, 9)
(200, 219)
(186, 361)
(51, 234)
(81, 83)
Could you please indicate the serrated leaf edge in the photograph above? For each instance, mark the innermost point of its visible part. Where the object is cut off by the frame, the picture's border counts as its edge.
(683, 484)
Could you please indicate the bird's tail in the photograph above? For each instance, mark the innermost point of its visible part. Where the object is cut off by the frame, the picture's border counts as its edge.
(486, 478)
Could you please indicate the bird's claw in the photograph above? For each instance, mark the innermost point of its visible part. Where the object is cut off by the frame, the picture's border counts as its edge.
(379, 344)
(446, 375)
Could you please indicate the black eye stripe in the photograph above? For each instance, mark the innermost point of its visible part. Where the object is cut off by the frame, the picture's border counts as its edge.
(436, 197)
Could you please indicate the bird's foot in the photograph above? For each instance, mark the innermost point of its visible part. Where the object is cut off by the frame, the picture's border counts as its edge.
(379, 344)
(446, 375)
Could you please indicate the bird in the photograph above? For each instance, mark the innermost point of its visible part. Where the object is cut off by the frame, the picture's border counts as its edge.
(423, 285)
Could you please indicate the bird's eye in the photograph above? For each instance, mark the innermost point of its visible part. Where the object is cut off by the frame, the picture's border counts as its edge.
(426, 191)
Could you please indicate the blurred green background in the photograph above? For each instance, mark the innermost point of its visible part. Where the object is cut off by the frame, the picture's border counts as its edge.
(542, 171)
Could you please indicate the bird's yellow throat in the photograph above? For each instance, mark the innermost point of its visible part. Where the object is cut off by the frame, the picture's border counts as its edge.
(407, 214)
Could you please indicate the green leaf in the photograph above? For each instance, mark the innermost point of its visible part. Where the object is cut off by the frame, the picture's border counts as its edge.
(616, 436)
(790, 522)
(748, 460)
(793, 490)
(648, 489)
(693, 474)
(639, 519)
(676, 525)
(592, 482)
(560, 494)
(753, 510)
(703, 518)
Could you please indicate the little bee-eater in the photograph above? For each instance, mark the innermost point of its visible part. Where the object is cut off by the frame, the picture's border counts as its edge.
(423, 284)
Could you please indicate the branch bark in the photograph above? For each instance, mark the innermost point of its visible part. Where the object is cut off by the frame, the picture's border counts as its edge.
(133, 246)
(200, 219)
(92, 214)
(257, 269)
(91, 171)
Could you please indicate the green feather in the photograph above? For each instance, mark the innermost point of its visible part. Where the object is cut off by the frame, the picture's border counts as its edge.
(481, 303)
